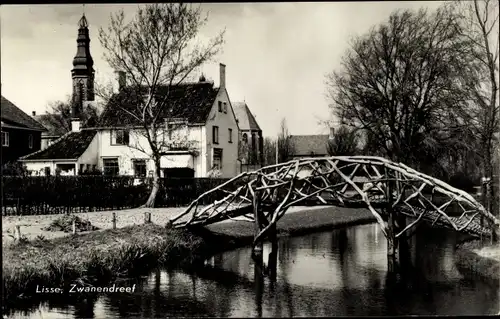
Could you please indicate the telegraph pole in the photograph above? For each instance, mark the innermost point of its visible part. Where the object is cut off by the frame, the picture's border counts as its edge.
(277, 142)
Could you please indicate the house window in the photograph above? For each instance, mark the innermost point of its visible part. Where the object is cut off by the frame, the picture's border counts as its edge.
(220, 106)
(244, 138)
(110, 166)
(225, 107)
(215, 134)
(5, 138)
(47, 170)
(120, 137)
(217, 160)
(173, 125)
(30, 141)
(230, 131)
(82, 168)
(139, 168)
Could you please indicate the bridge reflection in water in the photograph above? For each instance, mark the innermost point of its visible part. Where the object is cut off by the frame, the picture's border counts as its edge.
(343, 272)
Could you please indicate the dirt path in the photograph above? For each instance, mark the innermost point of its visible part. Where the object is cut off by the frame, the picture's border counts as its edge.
(31, 226)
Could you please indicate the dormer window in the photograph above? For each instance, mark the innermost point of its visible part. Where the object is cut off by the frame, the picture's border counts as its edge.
(120, 137)
(220, 106)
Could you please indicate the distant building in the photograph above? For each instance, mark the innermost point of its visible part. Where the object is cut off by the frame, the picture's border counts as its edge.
(304, 146)
(21, 134)
(251, 153)
(310, 145)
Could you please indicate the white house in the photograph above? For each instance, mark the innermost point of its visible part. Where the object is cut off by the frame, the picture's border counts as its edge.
(201, 114)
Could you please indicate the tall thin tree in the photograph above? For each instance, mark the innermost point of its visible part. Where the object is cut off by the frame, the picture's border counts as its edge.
(284, 147)
(480, 26)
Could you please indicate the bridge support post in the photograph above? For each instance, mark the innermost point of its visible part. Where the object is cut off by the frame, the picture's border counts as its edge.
(398, 249)
(273, 255)
(391, 244)
(257, 250)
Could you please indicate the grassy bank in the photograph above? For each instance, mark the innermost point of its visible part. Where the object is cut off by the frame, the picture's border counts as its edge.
(473, 265)
(100, 257)
(93, 258)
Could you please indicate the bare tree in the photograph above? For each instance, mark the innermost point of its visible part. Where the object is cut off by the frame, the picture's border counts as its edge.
(157, 50)
(61, 114)
(269, 151)
(104, 91)
(399, 85)
(285, 147)
(344, 142)
(480, 26)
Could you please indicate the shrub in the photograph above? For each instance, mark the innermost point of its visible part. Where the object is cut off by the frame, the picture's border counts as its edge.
(14, 169)
(65, 224)
(463, 181)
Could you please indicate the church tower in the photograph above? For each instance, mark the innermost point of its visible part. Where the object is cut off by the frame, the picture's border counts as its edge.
(83, 69)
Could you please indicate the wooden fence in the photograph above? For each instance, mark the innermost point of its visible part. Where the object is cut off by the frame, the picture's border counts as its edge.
(72, 194)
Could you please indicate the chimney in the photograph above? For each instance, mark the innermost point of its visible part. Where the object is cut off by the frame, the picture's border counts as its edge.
(33, 113)
(122, 79)
(332, 133)
(222, 71)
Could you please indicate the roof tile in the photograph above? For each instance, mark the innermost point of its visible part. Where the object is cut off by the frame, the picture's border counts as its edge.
(11, 113)
(192, 101)
(246, 120)
(70, 146)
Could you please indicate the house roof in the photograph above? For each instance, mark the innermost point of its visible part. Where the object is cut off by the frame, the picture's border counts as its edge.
(246, 120)
(307, 145)
(11, 114)
(192, 101)
(51, 122)
(70, 146)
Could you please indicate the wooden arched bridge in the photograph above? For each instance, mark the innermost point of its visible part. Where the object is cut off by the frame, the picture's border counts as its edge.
(392, 192)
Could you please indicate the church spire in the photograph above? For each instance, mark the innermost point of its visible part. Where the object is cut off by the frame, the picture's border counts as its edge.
(83, 64)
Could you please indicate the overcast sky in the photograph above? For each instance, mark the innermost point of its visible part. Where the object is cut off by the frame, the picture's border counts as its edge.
(277, 54)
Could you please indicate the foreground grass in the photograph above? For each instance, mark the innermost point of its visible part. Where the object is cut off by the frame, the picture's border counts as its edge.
(94, 258)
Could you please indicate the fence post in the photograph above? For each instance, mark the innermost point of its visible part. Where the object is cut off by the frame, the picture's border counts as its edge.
(147, 218)
(74, 226)
(113, 220)
(17, 233)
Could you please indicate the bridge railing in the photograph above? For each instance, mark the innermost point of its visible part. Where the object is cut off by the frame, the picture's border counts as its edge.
(375, 183)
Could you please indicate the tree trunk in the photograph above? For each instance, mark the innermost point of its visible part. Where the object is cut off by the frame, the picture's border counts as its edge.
(488, 173)
(156, 184)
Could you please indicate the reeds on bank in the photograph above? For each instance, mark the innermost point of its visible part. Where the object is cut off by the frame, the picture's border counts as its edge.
(93, 258)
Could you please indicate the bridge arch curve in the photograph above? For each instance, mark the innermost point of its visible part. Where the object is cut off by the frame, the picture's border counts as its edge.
(383, 187)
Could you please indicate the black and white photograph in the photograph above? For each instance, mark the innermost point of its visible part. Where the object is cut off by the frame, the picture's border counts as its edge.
(250, 159)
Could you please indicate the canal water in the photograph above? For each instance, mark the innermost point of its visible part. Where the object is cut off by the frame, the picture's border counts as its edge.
(336, 273)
